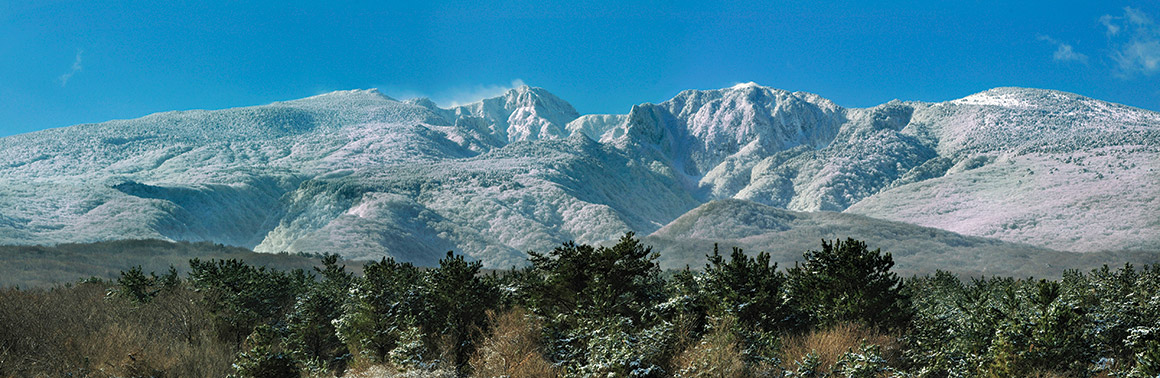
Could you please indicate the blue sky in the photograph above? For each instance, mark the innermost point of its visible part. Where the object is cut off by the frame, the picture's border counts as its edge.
(70, 62)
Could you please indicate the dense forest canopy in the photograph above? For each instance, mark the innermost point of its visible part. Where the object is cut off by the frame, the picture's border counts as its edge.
(582, 311)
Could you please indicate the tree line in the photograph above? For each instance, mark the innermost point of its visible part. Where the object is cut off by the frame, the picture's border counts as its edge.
(610, 311)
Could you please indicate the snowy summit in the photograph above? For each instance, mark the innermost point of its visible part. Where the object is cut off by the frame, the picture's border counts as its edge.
(365, 175)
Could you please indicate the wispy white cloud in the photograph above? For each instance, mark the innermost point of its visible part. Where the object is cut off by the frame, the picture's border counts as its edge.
(456, 96)
(1067, 53)
(1135, 42)
(1136, 17)
(466, 95)
(76, 67)
(1141, 56)
(1110, 23)
(1064, 52)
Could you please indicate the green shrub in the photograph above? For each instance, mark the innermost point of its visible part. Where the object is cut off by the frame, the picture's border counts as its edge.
(1147, 361)
(265, 356)
(865, 362)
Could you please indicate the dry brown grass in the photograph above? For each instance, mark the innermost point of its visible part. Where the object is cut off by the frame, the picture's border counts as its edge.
(830, 344)
(386, 371)
(1048, 374)
(514, 348)
(717, 355)
(78, 331)
(1058, 374)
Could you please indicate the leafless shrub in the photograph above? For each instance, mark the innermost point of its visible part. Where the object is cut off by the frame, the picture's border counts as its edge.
(514, 348)
(81, 331)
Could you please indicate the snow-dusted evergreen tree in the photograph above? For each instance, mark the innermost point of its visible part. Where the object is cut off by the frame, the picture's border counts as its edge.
(847, 282)
(600, 306)
(751, 293)
(311, 323)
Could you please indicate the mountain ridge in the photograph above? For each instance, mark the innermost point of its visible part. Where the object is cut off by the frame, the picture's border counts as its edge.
(360, 172)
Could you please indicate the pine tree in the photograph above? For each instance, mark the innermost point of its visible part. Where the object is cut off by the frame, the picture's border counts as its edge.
(846, 282)
(459, 300)
(600, 304)
(750, 292)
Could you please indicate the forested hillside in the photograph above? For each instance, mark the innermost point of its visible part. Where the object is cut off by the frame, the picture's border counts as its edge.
(583, 311)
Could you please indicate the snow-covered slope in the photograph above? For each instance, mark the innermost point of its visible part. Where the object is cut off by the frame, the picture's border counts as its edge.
(1024, 165)
(1042, 167)
(365, 175)
(352, 172)
(785, 235)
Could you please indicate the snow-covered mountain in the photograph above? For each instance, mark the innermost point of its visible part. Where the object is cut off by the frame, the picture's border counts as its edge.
(365, 175)
(1033, 166)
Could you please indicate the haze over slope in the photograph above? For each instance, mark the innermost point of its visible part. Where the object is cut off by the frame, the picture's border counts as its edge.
(365, 175)
(786, 234)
